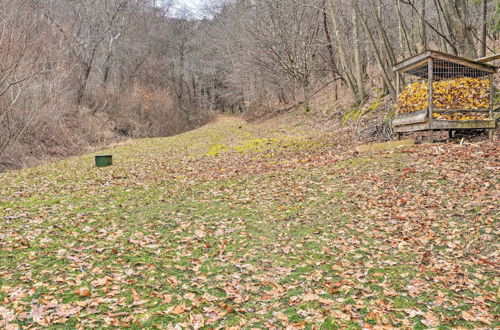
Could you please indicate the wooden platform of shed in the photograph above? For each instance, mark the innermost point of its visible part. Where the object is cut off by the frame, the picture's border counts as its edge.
(440, 125)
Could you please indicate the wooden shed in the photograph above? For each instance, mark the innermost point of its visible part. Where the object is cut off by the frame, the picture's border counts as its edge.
(431, 67)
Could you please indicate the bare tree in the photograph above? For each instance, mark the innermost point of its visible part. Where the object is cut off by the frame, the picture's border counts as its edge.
(18, 65)
(138, 68)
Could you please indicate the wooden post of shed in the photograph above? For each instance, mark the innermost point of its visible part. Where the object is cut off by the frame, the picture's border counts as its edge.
(492, 94)
(491, 131)
(398, 83)
(398, 90)
(430, 76)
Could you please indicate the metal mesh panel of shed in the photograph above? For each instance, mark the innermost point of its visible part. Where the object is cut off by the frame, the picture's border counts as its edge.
(446, 66)
(443, 69)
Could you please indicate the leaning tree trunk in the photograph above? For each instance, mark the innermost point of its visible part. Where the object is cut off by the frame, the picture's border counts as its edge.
(329, 45)
(349, 77)
(380, 62)
(357, 59)
(403, 31)
(457, 12)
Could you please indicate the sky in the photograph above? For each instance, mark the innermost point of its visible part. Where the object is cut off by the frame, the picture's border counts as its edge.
(195, 6)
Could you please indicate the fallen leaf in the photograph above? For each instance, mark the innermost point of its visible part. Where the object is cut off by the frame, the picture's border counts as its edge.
(82, 292)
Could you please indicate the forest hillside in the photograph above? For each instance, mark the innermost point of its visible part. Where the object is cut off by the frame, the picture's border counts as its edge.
(80, 75)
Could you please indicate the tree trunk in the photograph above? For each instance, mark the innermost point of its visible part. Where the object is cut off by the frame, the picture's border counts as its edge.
(423, 33)
(342, 54)
(443, 46)
(357, 59)
(483, 28)
(403, 30)
(305, 88)
(388, 51)
(107, 68)
(329, 45)
(86, 75)
(83, 85)
(380, 62)
(456, 12)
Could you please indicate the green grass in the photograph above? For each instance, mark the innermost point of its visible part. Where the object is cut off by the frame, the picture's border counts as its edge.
(247, 226)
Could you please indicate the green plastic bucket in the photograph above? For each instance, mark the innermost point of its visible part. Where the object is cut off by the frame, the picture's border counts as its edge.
(103, 160)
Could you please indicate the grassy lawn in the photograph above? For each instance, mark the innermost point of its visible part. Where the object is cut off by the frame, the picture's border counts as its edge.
(253, 226)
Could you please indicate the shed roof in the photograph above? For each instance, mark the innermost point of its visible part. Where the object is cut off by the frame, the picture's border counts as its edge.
(445, 66)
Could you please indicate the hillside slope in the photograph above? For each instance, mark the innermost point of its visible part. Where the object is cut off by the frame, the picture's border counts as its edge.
(265, 225)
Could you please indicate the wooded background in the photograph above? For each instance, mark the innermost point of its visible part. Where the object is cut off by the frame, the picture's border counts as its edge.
(76, 74)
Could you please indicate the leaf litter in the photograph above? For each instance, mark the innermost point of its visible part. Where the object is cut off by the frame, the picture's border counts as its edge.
(253, 226)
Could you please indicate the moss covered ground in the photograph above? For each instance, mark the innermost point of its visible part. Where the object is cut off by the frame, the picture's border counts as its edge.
(238, 225)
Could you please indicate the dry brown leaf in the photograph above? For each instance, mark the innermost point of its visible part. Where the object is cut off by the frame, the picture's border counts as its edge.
(177, 309)
(430, 319)
(82, 292)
